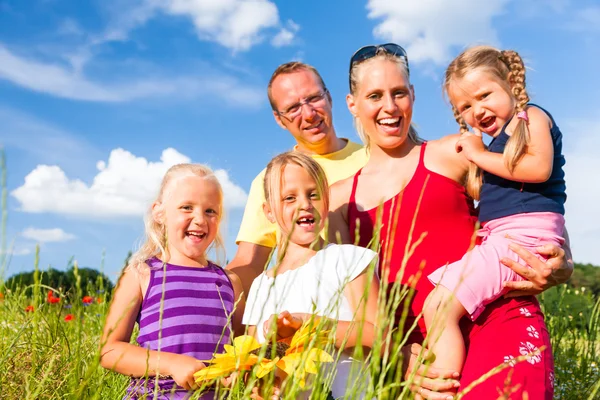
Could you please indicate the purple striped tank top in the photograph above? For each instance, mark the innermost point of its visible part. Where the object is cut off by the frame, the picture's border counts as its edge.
(196, 306)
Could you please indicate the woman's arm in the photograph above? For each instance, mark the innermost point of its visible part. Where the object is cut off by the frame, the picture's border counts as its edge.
(119, 355)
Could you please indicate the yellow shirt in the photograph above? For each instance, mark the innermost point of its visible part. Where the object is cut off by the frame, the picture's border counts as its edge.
(257, 229)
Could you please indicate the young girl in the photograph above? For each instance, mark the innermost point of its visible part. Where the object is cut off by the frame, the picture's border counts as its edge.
(183, 303)
(311, 278)
(522, 200)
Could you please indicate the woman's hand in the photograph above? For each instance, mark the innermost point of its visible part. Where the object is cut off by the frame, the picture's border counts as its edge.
(539, 275)
(286, 323)
(182, 369)
(428, 381)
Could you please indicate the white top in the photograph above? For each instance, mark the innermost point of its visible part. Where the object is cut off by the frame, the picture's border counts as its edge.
(316, 287)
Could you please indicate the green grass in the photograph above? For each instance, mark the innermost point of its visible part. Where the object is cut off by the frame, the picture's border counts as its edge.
(43, 356)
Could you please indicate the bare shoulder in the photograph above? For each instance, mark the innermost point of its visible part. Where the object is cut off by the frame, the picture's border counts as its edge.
(339, 192)
(135, 277)
(127, 296)
(536, 114)
(445, 148)
(442, 158)
(444, 144)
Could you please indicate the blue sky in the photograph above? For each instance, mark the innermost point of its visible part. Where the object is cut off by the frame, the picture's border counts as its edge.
(98, 98)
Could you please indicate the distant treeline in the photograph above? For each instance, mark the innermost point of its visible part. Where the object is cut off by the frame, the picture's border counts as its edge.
(91, 281)
(586, 275)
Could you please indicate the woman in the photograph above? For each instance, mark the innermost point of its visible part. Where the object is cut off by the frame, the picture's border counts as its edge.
(426, 218)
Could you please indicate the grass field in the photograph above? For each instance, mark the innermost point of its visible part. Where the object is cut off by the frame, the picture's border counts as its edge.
(49, 346)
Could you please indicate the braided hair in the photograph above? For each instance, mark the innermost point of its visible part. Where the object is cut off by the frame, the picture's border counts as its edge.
(508, 68)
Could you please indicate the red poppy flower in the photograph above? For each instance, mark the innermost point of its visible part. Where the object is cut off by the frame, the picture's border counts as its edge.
(1, 296)
(51, 299)
(69, 317)
(99, 300)
(29, 308)
(87, 299)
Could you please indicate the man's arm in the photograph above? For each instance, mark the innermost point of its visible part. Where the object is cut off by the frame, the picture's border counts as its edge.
(256, 238)
(540, 275)
(249, 262)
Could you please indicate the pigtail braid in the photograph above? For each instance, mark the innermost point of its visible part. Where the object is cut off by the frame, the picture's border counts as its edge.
(516, 146)
(474, 178)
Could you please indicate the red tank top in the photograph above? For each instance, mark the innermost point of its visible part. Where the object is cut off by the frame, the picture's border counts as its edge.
(442, 215)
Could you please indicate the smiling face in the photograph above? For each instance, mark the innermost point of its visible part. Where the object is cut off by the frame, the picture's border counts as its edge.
(300, 208)
(312, 128)
(482, 100)
(190, 211)
(383, 102)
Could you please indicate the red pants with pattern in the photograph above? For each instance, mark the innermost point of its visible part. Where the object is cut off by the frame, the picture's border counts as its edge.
(509, 328)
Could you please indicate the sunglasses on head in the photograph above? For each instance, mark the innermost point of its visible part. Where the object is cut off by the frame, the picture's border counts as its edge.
(366, 52)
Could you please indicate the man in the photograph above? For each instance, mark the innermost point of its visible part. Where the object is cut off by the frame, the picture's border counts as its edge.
(302, 105)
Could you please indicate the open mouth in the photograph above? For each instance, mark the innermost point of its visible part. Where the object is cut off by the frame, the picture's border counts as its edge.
(306, 221)
(316, 125)
(487, 122)
(389, 122)
(196, 234)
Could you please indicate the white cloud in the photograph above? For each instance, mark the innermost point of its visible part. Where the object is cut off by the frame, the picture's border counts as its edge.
(582, 211)
(47, 235)
(236, 24)
(430, 29)
(124, 186)
(286, 36)
(60, 81)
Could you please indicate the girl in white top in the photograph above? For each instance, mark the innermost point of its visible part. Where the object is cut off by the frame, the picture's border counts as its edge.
(312, 279)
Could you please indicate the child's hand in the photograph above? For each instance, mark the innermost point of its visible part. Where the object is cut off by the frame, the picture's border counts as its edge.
(470, 144)
(286, 323)
(275, 390)
(275, 393)
(182, 371)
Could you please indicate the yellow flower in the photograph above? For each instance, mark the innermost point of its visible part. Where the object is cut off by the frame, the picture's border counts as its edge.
(294, 358)
(239, 357)
(297, 361)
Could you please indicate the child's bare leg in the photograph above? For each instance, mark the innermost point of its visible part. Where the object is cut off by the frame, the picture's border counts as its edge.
(442, 314)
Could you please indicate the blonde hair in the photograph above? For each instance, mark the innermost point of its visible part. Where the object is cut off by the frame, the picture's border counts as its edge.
(507, 67)
(274, 175)
(156, 241)
(354, 82)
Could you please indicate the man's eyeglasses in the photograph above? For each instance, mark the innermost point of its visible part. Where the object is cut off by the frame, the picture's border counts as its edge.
(364, 53)
(294, 110)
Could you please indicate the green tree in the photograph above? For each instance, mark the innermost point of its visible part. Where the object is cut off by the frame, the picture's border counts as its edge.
(586, 275)
(91, 281)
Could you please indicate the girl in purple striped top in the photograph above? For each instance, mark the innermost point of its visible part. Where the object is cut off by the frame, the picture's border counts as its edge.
(183, 303)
